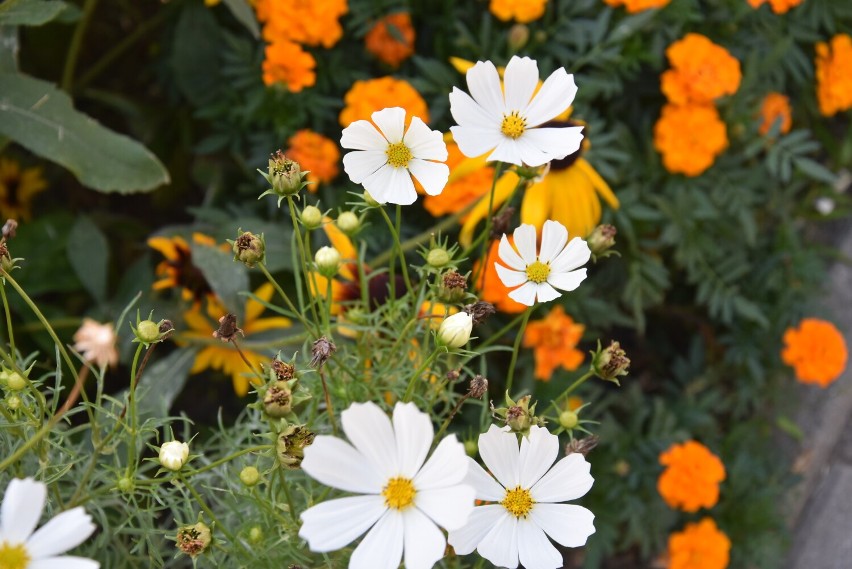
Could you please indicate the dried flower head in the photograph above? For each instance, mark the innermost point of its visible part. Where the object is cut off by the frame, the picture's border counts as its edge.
(193, 540)
(96, 342)
(583, 446)
(282, 370)
(278, 400)
(610, 363)
(501, 223)
(291, 446)
(166, 328)
(321, 350)
(10, 228)
(479, 311)
(602, 239)
(249, 249)
(228, 329)
(478, 387)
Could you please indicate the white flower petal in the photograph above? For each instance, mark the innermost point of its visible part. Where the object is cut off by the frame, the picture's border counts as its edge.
(483, 483)
(401, 186)
(554, 236)
(509, 277)
(483, 82)
(525, 294)
(469, 113)
(545, 293)
(481, 521)
(567, 480)
(525, 237)
(567, 281)
(21, 509)
(413, 431)
(379, 183)
(499, 451)
(382, 547)
(370, 431)
(424, 542)
(530, 153)
(362, 135)
(446, 467)
(362, 164)
(475, 141)
(337, 523)
(576, 254)
(509, 256)
(432, 176)
(500, 545)
(506, 151)
(556, 94)
(63, 562)
(554, 143)
(450, 507)
(62, 533)
(538, 453)
(391, 123)
(566, 524)
(336, 463)
(520, 80)
(534, 549)
(424, 142)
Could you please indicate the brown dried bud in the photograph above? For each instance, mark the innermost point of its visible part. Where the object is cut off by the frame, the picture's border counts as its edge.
(10, 228)
(194, 540)
(602, 239)
(480, 311)
(321, 350)
(228, 328)
(453, 286)
(166, 328)
(583, 446)
(610, 363)
(282, 370)
(454, 279)
(249, 249)
(478, 387)
(278, 400)
(500, 224)
(291, 446)
(453, 375)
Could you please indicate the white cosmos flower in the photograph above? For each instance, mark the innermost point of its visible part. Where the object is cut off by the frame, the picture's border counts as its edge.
(539, 275)
(402, 499)
(507, 120)
(527, 492)
(21, 548)
(385, 159)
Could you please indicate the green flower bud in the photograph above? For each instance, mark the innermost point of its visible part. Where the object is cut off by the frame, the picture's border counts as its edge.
(348, 222)
(328, 261)
(311, 217)
(255, 534)
(610, 363)
(125, 484)
(194, 540)
(13, 402)
(15, 381)
(285, 175)
(470, 447)
(249, 249)
(278, 400)
(518, 36)
(601, 239)
(438, 257)
(569, 419)
(249, 476)
(148, 331)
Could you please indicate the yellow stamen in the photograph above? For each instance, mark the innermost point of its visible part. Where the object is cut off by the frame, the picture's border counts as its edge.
(13, 556)
(399, 155)
(538, 272)
(513, 125)
(399, 493)
(518, 501)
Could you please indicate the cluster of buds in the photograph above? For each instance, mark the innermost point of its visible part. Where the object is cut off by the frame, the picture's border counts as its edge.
(148, 332)
(601, 241)
(520, 415)
(194, 540)
(291, 446)
(610, 363)
(248, 248)
(455, 330)
(284, 176)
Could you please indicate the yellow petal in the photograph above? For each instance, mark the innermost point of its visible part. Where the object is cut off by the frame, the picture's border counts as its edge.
(202, 360)
(264, 324)
(504, 188)
(197, 321)
(537, 203)
(254, 308)
(599, 183)
(166, 246)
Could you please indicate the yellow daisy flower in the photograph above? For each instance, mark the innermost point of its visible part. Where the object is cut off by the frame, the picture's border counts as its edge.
(177, 269)
(17, 189)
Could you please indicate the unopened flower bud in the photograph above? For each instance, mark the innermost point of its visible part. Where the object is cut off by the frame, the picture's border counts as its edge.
(519, 35)
(194, 540)
(453, 375)
(321, 350)
(249, 249)
(255, 534)
(438, 257)
(249, 476)
(173, 455)
(125, 484)
(311, 217)
(291, 446)
(453, 286)
(147, 331)
(518, 419)
(228, 329)
(278, 400)
(611, 363)
(569, 419)
(348, 222)
(601, 239)
(15, 381)
(480, 311)
(10, 229)
(328, 261)
(370, 200)
(7, 263)
(622, 468)
(285, 175)
(13, 402)
(478, 387)
(455, 330)
(520, 415)
(470, 447)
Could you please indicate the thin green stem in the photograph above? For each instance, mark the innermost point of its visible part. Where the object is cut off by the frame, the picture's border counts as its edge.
(498, 171)
(449, 418)
(76, 44)
(412, 382)
(131, 408)
(8, 318)
(312, 287)
(287, 496)
(576, 384)
(286, 298)
(30, 443)
(517, 348)
(219, 525)
(328, 406)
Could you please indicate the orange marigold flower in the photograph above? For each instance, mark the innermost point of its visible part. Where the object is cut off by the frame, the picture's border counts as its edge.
(523, 11)
(491, 288)
(554, 341)
(701, 71)
(689, 137)
(316, 153)
(816, 350)
(778, 6)
(286, 62)
(633, 6)
(700, 545)
(691, 479)
(371, 95)
(309, 22)
(391, 39)
(468, 182)
(834, 75)
(775, 107)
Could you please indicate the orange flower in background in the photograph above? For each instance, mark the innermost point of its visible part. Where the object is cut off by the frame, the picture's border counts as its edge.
(286, 62)
(633, 6)
(309, 22)
(316, 153)
(816, 350)
(701, 71)
(491, 288)
(775, 107)
(778, 6)
(834, 75)
(691, 478)
(554, 342)
(467, 183)
(178, 270)
(18, 187)
(522, 11)
(371, 95)
(391, 39)
(689, 137)
(700, 545)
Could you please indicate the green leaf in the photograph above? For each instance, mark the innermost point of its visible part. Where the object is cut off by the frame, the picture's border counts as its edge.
(29, 12)
(789, 427)
(88, 251)
(227, 278)
(244, 15)
(9, 46)
(815, 170)
(162, 383)
(196, 55)
(40, 117)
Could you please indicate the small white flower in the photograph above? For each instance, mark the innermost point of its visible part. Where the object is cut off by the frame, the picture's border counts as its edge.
(507, 120)
(402, 499)
(554, 266)
(21, 548)
(527, 492)
(96, 342)
(824, 205)
(173, 455)
(385, 159)
(454, 331)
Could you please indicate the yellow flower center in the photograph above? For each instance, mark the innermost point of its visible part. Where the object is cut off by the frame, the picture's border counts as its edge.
(13, 556)
(518, 501)
(399, 155)
(538, 272)
(399, 493)
(513, 125)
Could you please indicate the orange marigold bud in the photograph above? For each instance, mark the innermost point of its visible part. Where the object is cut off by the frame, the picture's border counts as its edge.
(701, 71)
(700, 545)
(689, 137)
(816, 350)
(391, 39)
(775, 107)
(691, 479)
(834, 75)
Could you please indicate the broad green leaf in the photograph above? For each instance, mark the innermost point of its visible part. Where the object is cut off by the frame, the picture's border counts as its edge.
(227, 278)
(244, 15)
(88, 252)
(9, 47)
(40, 117)
(162, 383)
(29, 12)
(196, 55)
(815, 170)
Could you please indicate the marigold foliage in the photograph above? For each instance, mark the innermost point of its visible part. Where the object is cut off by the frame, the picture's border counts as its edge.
(691, 478)
(816, 350)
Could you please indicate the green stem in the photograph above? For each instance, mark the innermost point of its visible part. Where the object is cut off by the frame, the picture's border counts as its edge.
(287, 496)
(219, 525)
(412, 382)
(449, 418)
(76, 44)
(498, 171)
(8, 318)
(286, 298)
(527, 313)
(31, 442)
(576, 384)
(131, 408)
(303, 252)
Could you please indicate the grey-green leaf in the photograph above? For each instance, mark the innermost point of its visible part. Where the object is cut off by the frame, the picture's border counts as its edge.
(29, 12)
(88, 252)
(244, 15)
(227, 278)
(40, 117)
